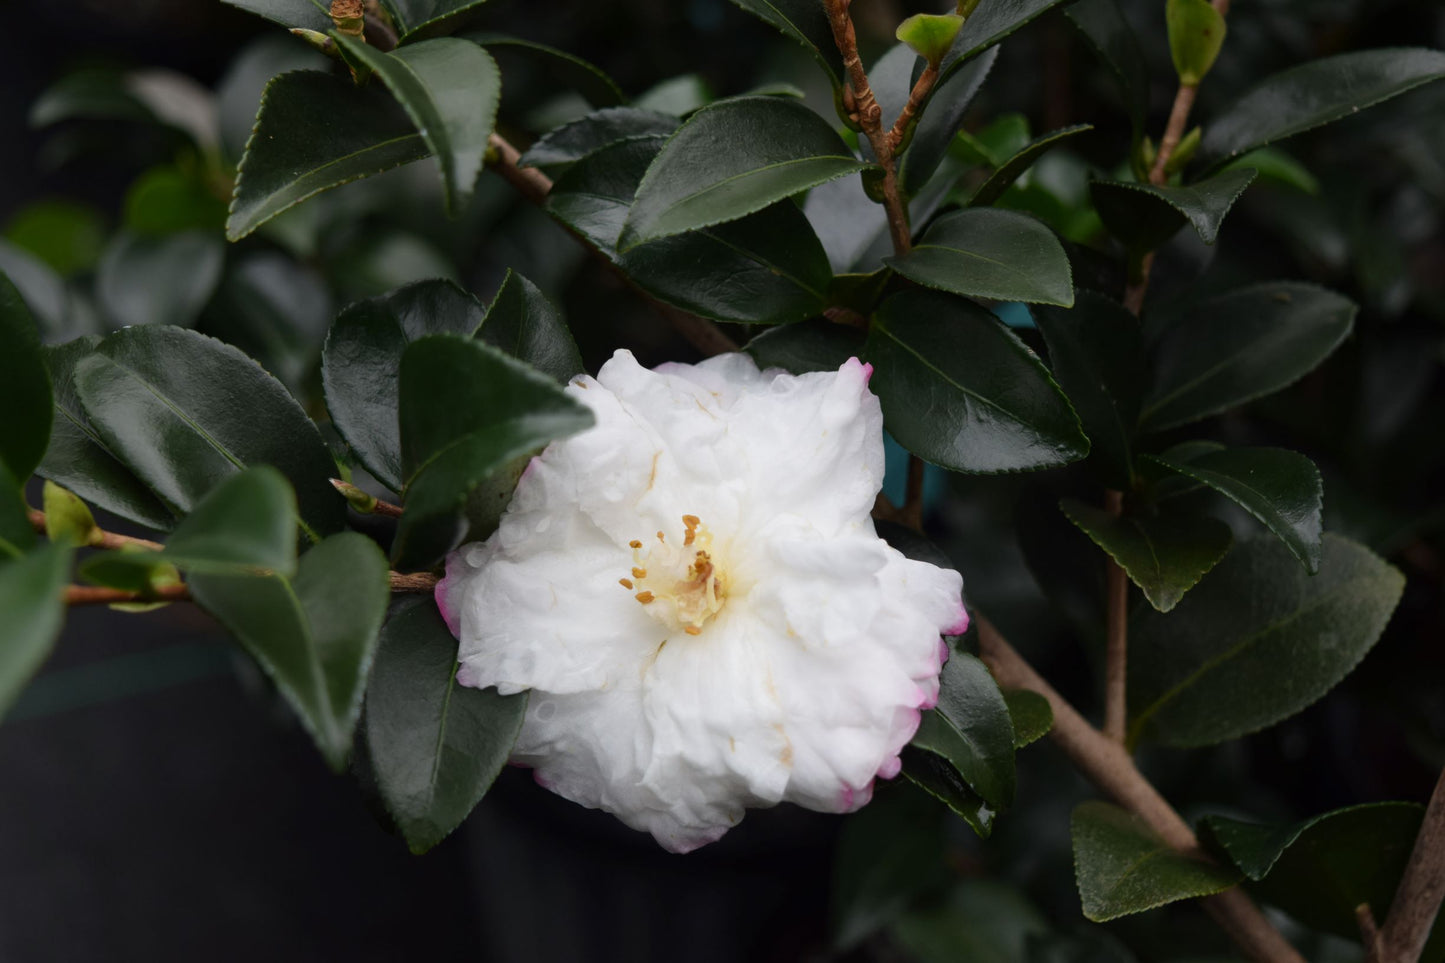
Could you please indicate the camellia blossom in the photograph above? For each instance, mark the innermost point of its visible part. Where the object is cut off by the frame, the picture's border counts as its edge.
(695, 596)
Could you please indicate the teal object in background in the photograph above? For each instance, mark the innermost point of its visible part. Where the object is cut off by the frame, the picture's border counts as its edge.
(1015, 314)
(895, 476)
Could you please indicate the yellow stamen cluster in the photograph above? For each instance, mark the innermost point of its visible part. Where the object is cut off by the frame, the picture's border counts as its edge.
(695, 593)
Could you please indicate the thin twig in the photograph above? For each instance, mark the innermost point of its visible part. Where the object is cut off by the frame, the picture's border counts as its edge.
(1105, 763)
(916, 97)
(1422, 888)
(534, 185)
(869, 116)
(401, 582)
(911, 513)
(99, 539)
(1369, 933)
(1116, 656)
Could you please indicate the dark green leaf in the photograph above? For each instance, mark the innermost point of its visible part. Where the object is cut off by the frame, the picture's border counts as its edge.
(1010, 170)
(1123, 867)
(159, 280)
(1031, 715)
(90, 94)
(25, 395)
(1165, 555)
(816, 345)
(166, 200)
(450, 89)
(990, 22)
(239, 92)
(1196, 32)
(970, 730)
(1107, 30)
(766, 268)
(586, 78)
(981, 921)
(1320, 869)
(524, 324)
(806, 22)
(1223, 351)
(889, 853)
(990, 253)
(732, 158)
(66, 235)
(962, 391)
(314, 635)
(184, 411)
(1316, 93)
(940, 120)
(1144, 216)
(466, 411)
(436, 745)
(32, 607)
(313, 132)
(426, 18)
(1281, 488)
(17, 534)
(77, 456)
(1256, 641)
(244, 526)
(566, 145)
(937, 776)
(362, 354)
(1097, 356)
(310, 14)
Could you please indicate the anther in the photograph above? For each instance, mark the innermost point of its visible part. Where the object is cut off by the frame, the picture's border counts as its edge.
(639, 572)
(625, 582)
(644, 597)
(692, 630)
(634, 544)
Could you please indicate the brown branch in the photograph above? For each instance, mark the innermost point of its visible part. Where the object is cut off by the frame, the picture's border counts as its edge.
(1417, 901)
(413, 582)
(99, 539)
(1116, 657)
(911, 514)
(916, 97)
(870, 117)
(1369, 933)
(534, 185)
(1105, 763)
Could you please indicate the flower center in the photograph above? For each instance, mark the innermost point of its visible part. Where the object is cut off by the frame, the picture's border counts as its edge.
(681, 586)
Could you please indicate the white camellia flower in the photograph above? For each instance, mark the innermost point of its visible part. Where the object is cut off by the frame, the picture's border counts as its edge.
(694, 593)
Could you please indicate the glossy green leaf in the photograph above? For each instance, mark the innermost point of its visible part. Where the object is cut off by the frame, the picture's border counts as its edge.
(466, 410)
(1257, 641)
(1316, 93)
(184, 412)
(315, 131)
(1122, 867)
(586, 78)
(678, 96)
(1108, 31)
(32, 607)
(1097, 355)
(1196, 32)
(25, 396)
(990, 22)
(238, 94)
(1214, 354)
(159, 280)
(564, 146)
(889, 854)
(930, 35)
(971, 731)
(310, 14)
(962, 391)
(314, 634)
(436, 745)
(815, 345)
(450, 89)
(1031, 715)
(1282, 489)
(990, 253)
(428, 18)
(940, 120)
(362, 354)
(805, 22)
(732, 158)
(937, 776)
(979, 921)
(1144, 216)
(78, 458)
(523, 323)
(1318, 870)
(766, 268)
(1010, 170)
(1165, 555)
